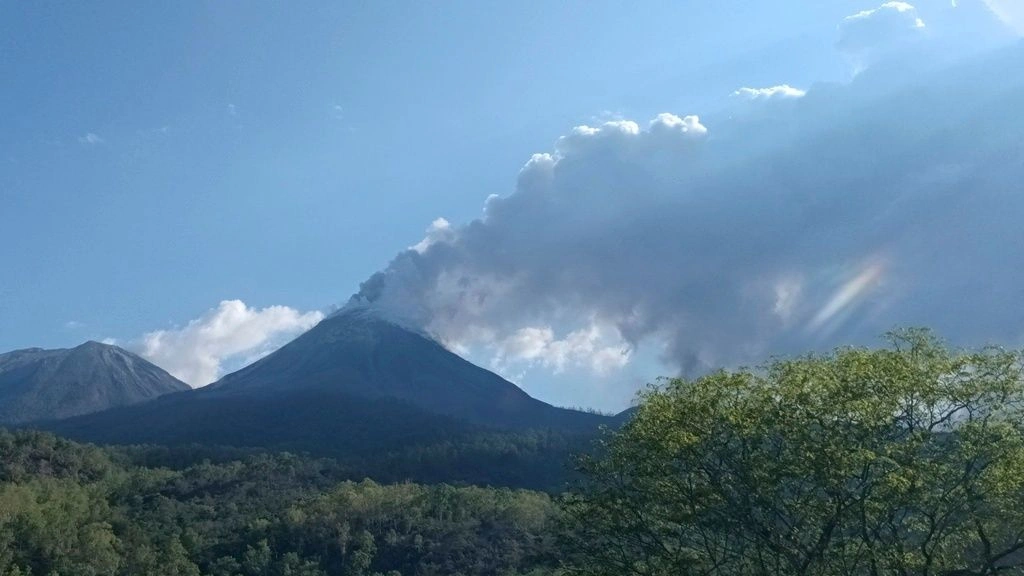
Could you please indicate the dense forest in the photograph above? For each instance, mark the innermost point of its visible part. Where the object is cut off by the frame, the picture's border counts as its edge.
(73, 509)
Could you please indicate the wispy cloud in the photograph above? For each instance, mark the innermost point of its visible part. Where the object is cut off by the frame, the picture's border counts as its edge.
(781, 91)
(90, 139)
(159, 131)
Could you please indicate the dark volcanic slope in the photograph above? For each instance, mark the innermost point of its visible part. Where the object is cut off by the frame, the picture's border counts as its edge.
(322, 422)
(38, 384)
(383, 438)
(357, 353)
(385, 400)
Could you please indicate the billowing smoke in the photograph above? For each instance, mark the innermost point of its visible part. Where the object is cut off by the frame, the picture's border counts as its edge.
(799, 223)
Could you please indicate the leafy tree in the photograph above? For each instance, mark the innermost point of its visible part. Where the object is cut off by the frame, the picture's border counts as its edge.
(907, 460)
(257, 560)
(360, 560)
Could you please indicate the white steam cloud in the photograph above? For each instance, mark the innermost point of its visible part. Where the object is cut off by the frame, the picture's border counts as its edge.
(831, 220)
(196, 352)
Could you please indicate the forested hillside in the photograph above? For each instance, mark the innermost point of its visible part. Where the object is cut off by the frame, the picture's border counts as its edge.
(73, 509)
(382, 439)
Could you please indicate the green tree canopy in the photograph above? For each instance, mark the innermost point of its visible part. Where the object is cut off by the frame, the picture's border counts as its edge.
(906, 460)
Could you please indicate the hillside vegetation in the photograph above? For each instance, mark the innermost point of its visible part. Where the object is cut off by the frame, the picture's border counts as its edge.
(906, 460)
(72, 509)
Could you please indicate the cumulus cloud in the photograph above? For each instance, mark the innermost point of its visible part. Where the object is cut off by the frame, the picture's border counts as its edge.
(873, 34)
(197, 352)
(590, 348)
(782, 91)
(694, 242)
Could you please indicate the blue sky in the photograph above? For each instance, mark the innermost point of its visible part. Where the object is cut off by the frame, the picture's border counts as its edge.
(158, 160)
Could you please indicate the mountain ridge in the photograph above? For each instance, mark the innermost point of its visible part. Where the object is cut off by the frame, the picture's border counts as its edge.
(359, 352)
(389, 402)
(41, 384)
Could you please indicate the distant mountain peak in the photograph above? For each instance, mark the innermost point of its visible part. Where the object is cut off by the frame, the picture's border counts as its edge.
(39, 384)
(92, 344)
